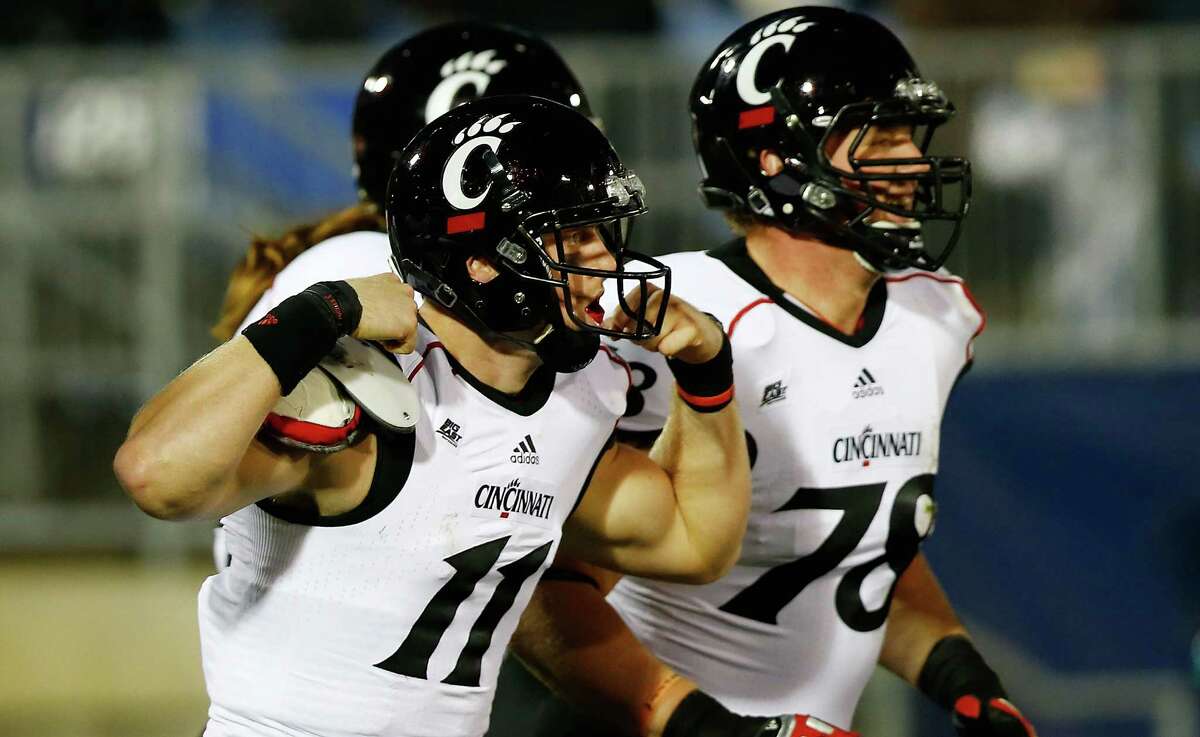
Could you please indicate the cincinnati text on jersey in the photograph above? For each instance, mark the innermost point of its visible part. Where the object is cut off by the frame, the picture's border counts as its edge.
(511, 498)
(869, 445)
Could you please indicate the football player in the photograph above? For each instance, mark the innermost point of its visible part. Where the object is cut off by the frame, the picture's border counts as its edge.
(414, 82)
(388, 518)
(812, 127)
(411, 84)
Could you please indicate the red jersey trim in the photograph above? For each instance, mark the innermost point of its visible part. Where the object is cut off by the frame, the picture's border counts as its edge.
(740, 313)
(421, 364)
(966, 293)
(612, 356)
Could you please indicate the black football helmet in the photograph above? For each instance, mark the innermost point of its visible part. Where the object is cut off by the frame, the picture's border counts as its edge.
(489, 179)
(790, 81)
(427, 75)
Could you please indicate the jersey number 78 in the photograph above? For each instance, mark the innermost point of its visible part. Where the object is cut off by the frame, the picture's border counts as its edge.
(909, 524)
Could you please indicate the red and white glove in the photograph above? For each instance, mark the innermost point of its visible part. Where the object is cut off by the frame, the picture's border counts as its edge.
(990, 717)
(700, 715)
(956, 676)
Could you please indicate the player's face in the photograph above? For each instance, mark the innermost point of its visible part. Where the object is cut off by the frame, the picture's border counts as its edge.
(880, 142)
(583, 247)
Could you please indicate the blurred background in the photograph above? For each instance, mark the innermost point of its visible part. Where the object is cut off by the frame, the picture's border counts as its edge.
(143, 141)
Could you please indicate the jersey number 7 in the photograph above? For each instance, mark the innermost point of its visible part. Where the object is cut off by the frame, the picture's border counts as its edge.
(909, 524)
(470, 566)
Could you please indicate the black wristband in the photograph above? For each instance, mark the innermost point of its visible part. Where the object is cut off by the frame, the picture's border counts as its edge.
(708, 386)
(700, 715)
(955, 669)
(294, 336)
(341, 302)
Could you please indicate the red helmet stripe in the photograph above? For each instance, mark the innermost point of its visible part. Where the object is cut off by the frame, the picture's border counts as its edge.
(755, 117)
(465, 223)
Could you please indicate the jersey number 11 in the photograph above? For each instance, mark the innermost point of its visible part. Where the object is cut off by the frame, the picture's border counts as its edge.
(470, 566)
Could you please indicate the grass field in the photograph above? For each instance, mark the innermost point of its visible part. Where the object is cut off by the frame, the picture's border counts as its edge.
(99, 647)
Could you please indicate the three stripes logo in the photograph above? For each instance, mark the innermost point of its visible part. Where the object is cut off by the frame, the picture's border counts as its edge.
(866, 386)
(525, 453)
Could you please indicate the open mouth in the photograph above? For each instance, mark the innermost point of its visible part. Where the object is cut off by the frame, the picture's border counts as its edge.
(595, 312)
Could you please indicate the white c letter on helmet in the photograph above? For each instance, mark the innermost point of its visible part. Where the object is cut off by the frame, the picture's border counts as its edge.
(749, 67)
(471, 68)
(452, 174)
(443, 95)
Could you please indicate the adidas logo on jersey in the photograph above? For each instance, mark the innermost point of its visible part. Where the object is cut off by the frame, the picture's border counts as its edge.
(512, 499)
(866, 386)
(525, 453)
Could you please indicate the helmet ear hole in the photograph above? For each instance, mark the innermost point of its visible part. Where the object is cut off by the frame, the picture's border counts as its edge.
(481, 270)
(769, 162)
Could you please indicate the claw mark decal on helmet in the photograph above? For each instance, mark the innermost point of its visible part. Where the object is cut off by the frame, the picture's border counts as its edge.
(471, 68)
(776, 33)
(468, 140)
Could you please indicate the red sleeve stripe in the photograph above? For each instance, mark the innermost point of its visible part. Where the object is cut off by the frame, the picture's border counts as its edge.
(311, 432)
(724, 397)
(736, 318)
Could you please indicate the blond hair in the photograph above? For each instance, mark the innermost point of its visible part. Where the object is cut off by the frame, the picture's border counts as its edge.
(266, 257)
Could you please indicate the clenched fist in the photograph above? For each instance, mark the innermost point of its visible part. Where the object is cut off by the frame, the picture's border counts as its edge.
(389, 312)
(687, 333)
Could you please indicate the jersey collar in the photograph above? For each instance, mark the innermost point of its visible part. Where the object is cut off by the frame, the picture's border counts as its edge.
(737, 259)
(532, 397)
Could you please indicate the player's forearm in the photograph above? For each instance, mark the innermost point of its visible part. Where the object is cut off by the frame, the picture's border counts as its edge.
(919, 618)
(574, 641)
(704, 453)
(185, 444)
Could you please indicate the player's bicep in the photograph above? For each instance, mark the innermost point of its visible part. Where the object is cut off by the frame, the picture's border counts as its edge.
(629, 520)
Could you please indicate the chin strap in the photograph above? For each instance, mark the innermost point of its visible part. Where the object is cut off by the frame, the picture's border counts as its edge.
(563, 350)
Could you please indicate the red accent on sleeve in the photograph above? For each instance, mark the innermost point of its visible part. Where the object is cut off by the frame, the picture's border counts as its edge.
(966, 293)
(740, 313)
(756, 117)
(968, 706)
(311, 432)
(465, 223)
(619, 361)
(421, 364)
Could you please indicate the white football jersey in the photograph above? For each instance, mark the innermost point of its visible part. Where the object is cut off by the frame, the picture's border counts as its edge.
(392, 619)
(843, 437)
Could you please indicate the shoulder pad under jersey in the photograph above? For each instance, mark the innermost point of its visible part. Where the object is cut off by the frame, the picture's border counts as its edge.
(323, 413)
(373, 379)
(316, 416)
